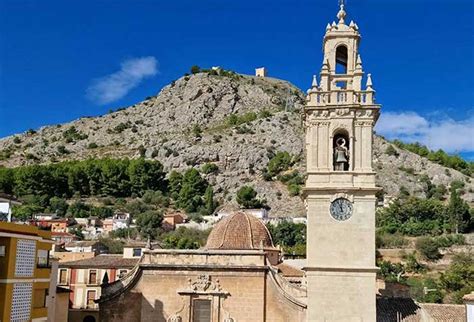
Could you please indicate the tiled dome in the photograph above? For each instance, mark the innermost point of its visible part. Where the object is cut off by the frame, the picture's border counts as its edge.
(239, 231)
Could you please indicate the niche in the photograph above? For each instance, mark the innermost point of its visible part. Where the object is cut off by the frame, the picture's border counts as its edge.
(340, 144)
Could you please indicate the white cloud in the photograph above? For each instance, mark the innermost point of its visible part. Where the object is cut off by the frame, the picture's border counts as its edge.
(112, 87)
(445, 133)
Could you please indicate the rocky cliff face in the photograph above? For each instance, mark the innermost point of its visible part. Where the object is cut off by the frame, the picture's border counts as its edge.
(188, 124)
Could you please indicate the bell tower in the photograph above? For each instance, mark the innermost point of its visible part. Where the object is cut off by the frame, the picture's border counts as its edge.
(340, 189)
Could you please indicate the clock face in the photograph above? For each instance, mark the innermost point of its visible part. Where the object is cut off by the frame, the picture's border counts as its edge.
(341, 209)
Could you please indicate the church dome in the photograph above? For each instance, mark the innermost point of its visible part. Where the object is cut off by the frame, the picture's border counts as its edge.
(239, 231)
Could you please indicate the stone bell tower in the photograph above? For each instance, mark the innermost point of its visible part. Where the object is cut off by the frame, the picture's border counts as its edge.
(340, 188)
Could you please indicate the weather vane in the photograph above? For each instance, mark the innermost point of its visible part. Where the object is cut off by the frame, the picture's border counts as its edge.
(342, 2)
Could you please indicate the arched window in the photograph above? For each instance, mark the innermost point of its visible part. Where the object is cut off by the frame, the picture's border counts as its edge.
(341, 59)
(340, 144)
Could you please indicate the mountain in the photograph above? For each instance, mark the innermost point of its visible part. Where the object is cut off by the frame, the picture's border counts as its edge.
(232, 120)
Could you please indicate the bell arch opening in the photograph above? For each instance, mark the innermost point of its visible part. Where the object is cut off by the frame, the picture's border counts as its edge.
(341, 59)
(341, 148)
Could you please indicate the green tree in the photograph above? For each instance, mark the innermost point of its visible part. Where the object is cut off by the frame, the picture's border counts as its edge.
(25, 212)
(428, 248)
(149, 223)
(6, 180)
(185, 238)
(459, 277)
(79, 209)
(146, 175)
(288, 234)
(192, 188)
(113, 246)
(175, 181)
(247, 198)
(156, 198)
(58, 206)
(458, 213)
(209, 202)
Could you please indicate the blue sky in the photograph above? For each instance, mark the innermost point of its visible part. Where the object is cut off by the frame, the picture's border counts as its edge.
(57, 58)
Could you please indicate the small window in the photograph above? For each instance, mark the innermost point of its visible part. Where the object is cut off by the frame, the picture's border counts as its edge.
(91, 298)
(201, 311)
(137, 252)
(63, 276)
(2, 251)
(93, 276)
(43, 258)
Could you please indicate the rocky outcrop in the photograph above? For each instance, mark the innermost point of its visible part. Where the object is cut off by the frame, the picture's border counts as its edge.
(187, 124)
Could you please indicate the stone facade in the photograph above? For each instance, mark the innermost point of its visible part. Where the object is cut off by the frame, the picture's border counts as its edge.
(237, 285)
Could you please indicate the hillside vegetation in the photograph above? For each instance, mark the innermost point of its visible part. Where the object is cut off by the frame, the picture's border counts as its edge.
(237, 130)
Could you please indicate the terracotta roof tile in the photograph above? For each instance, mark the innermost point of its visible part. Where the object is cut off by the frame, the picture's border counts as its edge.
(104, 261)
(407, 310)
(445, 312)
(239, 231)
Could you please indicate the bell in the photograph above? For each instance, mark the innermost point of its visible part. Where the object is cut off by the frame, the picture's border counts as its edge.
(341, 156)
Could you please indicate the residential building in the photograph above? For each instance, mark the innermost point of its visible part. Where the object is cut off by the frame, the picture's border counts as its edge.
(56, 225)
(84, 278)
(63, 237)
(25, 272)
(86, 246)
(170, 220)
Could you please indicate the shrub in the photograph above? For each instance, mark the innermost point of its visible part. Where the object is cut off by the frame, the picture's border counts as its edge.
(62, 149)
(264, 114)
(195, 69)
(391, 151)
(92, 145)
(384, 240)
(391, 272)
(236, 119)
(72, 134)
(121, 127)
(428, 248)
(247, 198)
(280, 162)
(16, 140)
(197, 131)
(209, 168)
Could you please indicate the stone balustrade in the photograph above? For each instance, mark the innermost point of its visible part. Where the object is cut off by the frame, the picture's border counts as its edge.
(340, 97)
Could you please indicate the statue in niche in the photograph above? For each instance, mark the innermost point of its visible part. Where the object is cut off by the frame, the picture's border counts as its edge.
(341, 155)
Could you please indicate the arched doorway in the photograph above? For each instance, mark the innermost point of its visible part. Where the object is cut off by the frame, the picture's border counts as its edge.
(89, 318)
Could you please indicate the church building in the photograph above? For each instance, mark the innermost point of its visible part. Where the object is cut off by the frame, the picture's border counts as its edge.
(239, 276)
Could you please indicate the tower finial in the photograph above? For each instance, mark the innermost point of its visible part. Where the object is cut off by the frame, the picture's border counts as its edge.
(342, 13)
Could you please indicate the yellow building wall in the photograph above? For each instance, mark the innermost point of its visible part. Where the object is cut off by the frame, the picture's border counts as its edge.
(11, 234)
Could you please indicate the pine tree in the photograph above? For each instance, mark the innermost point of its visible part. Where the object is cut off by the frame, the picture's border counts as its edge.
(209, 200)
(457, 213)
